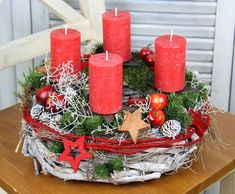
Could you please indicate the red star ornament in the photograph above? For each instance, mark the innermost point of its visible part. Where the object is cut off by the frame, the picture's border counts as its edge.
(74, 161)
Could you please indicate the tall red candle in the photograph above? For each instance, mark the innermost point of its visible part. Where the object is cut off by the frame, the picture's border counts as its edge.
(117, 33)
(105, 83)
(65, 46)
(170, 63)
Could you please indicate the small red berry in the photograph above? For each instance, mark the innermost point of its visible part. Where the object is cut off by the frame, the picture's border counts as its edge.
(145, 51)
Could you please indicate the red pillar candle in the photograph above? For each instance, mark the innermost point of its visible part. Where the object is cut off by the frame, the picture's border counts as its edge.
(170, 63)
(105, 83)
(117, 33)
(65, 46)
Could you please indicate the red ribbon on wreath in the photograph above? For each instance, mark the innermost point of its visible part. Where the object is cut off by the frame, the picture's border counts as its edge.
(199, 125)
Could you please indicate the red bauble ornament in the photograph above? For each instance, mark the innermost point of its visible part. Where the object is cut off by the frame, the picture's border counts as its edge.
(150, 60)
(158, 101)
(78, 146)
(135, 100)
(43, 93)
(55, 102)
(156, 117)
(145, 51)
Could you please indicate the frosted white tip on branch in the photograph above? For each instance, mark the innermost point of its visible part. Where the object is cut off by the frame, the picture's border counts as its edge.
(196, 81)
(145, 106)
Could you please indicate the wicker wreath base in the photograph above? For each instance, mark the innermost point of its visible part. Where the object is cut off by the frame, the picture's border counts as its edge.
(143, 166)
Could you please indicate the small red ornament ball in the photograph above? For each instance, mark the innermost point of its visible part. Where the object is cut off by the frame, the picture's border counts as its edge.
(43, 93)
(158, 100)
(144, 52)
(150, 60)
(156, 117)
(55, 102)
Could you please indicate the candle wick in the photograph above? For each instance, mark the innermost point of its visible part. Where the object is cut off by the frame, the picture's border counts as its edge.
(172, 32)
(116, 11)
(106, 55)
(66, 29)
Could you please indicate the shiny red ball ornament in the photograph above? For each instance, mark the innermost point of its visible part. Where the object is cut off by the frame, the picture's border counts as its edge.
(158, 100)
(150, 60)
(55, 102)
(145, 51)
(43, 93)
(156, 117)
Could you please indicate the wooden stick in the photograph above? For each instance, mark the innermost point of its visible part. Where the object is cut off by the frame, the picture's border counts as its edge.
(64, 11)
(18, 145)
(93, 10)
(35, 163)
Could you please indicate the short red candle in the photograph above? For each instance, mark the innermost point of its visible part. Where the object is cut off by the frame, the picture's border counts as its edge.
(170, 63)
(117, 33)
(105, 83)
(64, 48)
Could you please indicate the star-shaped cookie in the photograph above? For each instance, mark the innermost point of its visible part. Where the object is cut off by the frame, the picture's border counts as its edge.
(133, 124)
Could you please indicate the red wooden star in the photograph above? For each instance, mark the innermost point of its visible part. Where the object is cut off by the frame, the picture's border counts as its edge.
(74, 160)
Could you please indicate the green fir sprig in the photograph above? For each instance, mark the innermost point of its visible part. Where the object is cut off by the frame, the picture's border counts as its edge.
(101, 171)
(191, 98)
(30, 84)
(104, 170)
(115, 164)
(67, 121)
(193, 82)
(56, 147)
(175, 110)
(98, 48)
(139, 77)
(81, 126)
(34, 80)
(93, 122)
